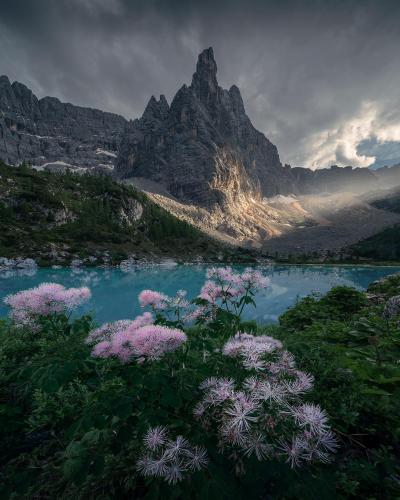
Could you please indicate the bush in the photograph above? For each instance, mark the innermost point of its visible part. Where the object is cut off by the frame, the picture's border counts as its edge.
(343, 302)
(340, 303)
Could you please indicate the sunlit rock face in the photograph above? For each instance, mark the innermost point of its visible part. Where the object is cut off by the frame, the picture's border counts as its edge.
(203, 148)
(44, 131)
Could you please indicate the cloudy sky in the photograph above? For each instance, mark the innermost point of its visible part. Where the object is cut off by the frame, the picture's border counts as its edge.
(320, 78)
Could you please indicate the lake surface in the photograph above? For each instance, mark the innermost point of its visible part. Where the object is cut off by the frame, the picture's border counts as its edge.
(114, 292)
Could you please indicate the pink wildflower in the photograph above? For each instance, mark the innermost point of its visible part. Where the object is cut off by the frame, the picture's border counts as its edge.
(102, 349)
(310, 416)
(256, 445)
(294, 450)
(254, 279)
(143, 320)
(211, 292)
(197, 458)
(224, 274)
(251, 349)
(196, 314)
(131, 340)
(302, 383)
(152, 341)
(151, 298)
(241, 414)
(169, 459)
(46, 299)
(155, 437)
(106, 331)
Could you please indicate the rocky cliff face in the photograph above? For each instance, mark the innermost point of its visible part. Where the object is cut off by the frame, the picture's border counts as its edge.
(203, 148)
(49, 132)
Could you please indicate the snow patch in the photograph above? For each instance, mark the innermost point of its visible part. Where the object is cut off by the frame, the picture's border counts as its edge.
(37, 136)
(100, 151)
(106, 165)
(59, 166)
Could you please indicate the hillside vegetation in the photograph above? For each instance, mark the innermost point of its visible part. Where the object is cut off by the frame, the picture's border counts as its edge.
(57, 217)
(386, 244)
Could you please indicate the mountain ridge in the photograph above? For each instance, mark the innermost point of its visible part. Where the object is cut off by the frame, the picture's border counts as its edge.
(44, 131)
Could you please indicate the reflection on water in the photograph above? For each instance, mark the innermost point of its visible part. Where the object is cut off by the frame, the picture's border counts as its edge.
(14, 273)
(115, 292)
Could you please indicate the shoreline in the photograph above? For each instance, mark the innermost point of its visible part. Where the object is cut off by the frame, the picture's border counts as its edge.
(171, 263)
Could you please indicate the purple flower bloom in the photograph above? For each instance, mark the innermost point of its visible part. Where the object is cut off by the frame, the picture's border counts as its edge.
(169, 459)
(251, 349)
(153, 299)
(106, 331)
(256, 445)
(310, 416)
(155, 437)
(173, 473)
(44, 300)
(135, 341)
(196, 458)
(293, 450)
(241, 413)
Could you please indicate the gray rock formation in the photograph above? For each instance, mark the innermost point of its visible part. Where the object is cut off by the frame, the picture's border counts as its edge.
(392, 307)
(45, 131)
(203, 148)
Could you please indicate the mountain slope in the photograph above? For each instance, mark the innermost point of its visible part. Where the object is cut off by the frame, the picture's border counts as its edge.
(385, 245)
(55, 218)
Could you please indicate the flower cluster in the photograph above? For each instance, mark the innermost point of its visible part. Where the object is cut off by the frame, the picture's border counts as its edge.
(229, 290)
(265, 415)
(176, 309)
(138, 339)
(251, 349)
(223, 289)
(106, 331)
(44, 300)
(153, 299)
(223, 283)
(169, 459)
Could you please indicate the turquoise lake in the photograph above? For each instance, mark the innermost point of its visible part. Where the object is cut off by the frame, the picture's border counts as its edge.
(114, 292)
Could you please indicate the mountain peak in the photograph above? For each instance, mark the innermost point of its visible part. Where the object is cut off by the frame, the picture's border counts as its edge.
(206, 60)
(204, 81)
(4, 80)
(156, 110)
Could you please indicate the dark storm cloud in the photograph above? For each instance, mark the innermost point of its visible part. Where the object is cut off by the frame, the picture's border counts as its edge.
(317, 77)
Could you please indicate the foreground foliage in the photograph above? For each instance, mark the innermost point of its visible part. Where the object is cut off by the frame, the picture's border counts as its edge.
(74, 424)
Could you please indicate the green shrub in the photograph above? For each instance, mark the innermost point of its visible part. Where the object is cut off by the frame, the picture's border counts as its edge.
(340, 303)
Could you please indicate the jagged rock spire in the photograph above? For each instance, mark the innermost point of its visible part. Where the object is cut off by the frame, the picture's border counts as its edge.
(204, 81)
(205, 150)
(7, 97)
(156, 109)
